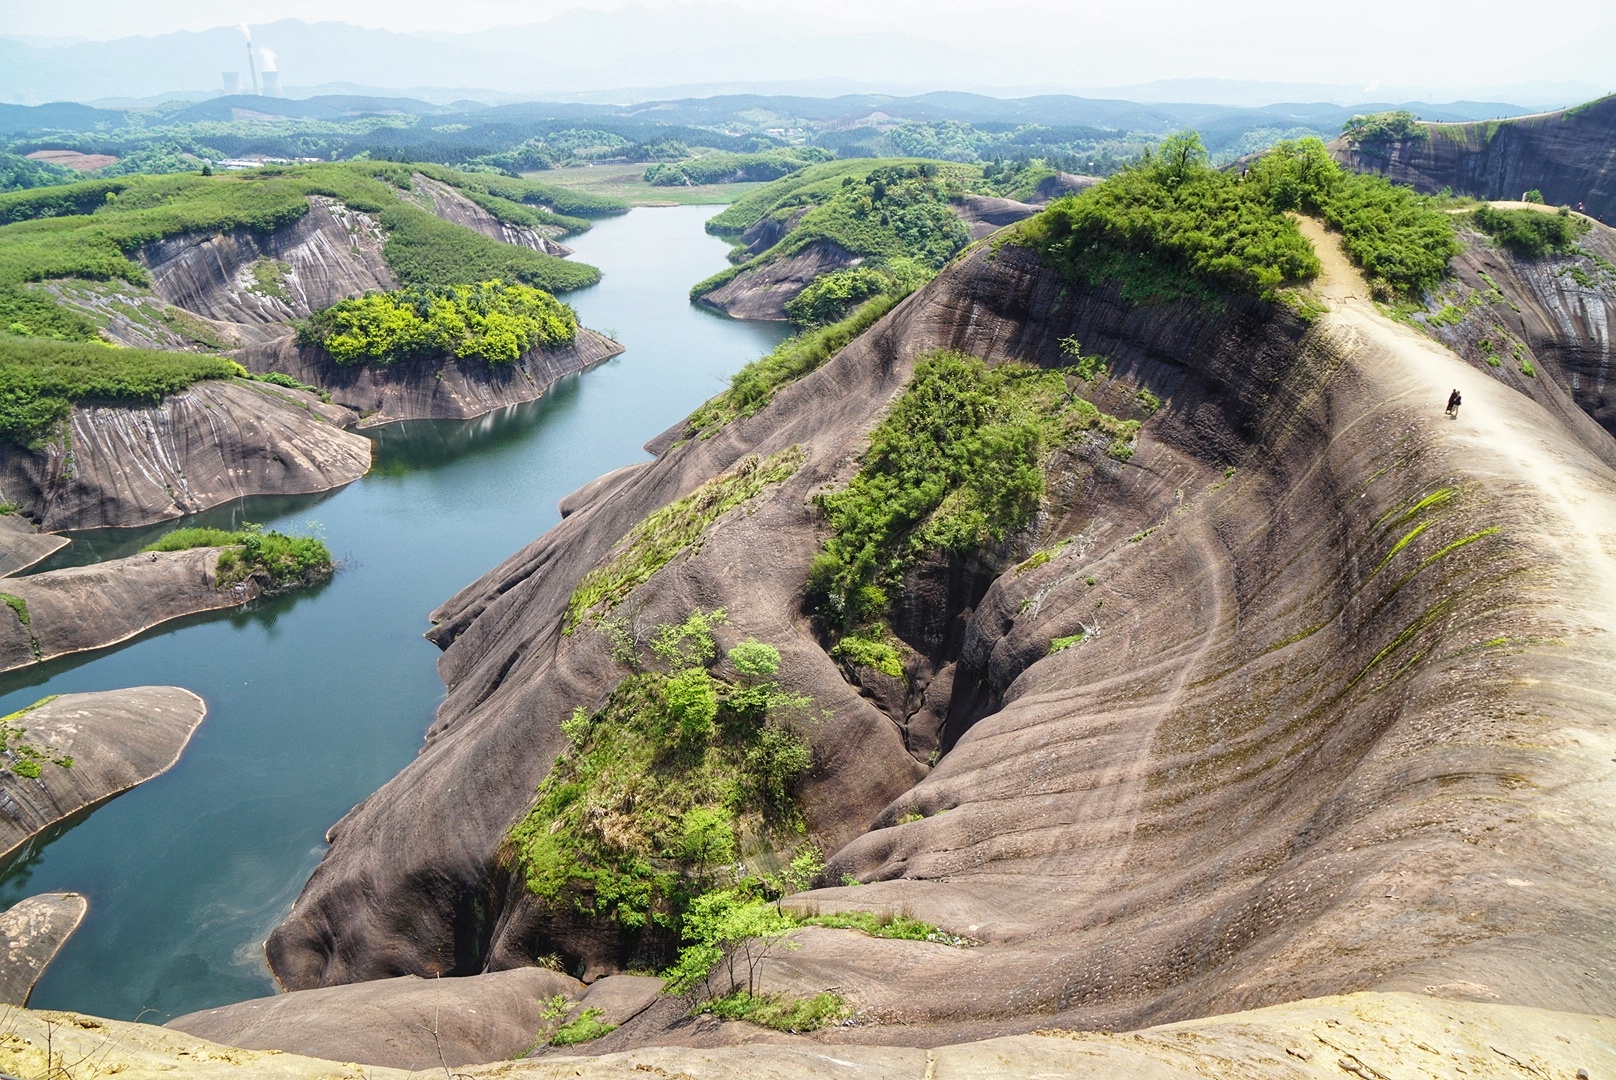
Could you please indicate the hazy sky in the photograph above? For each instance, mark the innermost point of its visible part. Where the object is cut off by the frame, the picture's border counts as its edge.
(1365, 43)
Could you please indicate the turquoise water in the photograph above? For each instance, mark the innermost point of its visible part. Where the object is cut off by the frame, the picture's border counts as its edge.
(315, 700)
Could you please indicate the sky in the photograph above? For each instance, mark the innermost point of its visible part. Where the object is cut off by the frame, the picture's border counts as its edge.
(1403, 44)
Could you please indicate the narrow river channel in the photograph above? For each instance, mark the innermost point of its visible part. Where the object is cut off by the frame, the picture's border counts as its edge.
(316, 700)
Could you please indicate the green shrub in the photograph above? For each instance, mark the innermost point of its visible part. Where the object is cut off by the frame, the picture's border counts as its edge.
(1531, 234)
(1171, 226)
(955, 465)
(1373, 133)
(584, 1027)
(1532, 196)
(41, 380)
(280, 378)
(279, 561)
(725, 168)
(1402, 240)
(1061, 644)
(865, 650)
(781, 1012)
(654, 542)
(831, 297)
(491, 322)
(645, 811)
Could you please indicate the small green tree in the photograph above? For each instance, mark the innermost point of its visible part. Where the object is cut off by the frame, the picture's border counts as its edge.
(733, 928)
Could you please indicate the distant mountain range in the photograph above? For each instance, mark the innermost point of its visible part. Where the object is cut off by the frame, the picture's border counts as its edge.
(632, 53)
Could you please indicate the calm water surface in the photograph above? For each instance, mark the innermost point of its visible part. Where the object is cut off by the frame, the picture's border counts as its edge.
(315, 700)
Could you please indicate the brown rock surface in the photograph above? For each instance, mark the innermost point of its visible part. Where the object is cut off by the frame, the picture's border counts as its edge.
(116, 738)
(1363, 1035)
(22, 545)
(986, 215)
(214, 441)
(32, 932)
(762, 292)
(1566, 154)
(80, 608)
(330, 253)
(1340, 722)
(405, 1023)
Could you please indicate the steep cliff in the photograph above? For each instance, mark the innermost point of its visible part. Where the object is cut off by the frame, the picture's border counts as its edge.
(1569, 155)
(1305, 696)
(216, 441)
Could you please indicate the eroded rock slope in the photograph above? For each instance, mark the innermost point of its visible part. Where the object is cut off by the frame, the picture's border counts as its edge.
(1338, 719)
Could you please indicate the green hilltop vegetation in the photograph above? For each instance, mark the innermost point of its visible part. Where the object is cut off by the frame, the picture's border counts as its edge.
(491, 321)
(882, 210)
(40, 380)
(476, 297)
(1173, 226)
(1531, 234)
(277, 561)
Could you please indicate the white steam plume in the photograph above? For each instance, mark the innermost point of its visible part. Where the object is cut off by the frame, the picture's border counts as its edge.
(246, 33)
(268, 58)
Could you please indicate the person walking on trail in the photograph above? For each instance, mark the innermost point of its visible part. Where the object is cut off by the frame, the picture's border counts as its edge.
(1453, 404)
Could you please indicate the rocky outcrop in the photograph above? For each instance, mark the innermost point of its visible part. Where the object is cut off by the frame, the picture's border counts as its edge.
(1360, 1034)
(116, 738)
(80, 608)
(1564, 154)
(31, 934)
(215, 441)
(22, 545)
(451, 205)
(986, 215)
(252, 283)
(407, 1023)
(433, 389)
(1319, 735)
(761, 292)
(1553, 316)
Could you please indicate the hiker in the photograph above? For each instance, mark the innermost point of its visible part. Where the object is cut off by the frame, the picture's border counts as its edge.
(1453, 403)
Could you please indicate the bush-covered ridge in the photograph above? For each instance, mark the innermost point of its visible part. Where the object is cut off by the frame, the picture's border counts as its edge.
(1171, 226)
(683, 775)
(491, 322)
(41, 380)
(279, 562)
(91, 230)
(1531, 234)
(723, 168)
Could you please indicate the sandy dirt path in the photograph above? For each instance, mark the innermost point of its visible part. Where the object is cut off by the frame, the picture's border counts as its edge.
(1501, 435)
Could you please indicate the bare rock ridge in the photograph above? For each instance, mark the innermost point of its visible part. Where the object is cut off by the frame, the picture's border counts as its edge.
(214, 441)
(451, 205)
(1565, 154)
(31, 934)
(1338, 721)
(1364, 1034)
(404, 1023)
(116, 738)
(762, 292)
(22, 545)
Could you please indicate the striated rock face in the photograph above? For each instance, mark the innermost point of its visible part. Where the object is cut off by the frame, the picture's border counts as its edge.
(31, 934)
(986, 215)
(442, 390)
(761, 293)
(451, 205)
(213, 442)
(1339, 721)
(327, 255)
(1565, 154)
(405, 1023)
(116, 738)
(1556, 314)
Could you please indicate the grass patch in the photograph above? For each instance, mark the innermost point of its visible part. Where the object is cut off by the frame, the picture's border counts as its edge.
(955, 465)
(277, 561)
(18, 605)
(1531, 234)
(585, 1027)
(664, 791)
(40, 381)
(280, 378)
(1061, 644)
(269, 278)
(18, 755)
(868, 650)
(492, 322)
(755, 385)
(654, 542)
(780, 1012)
